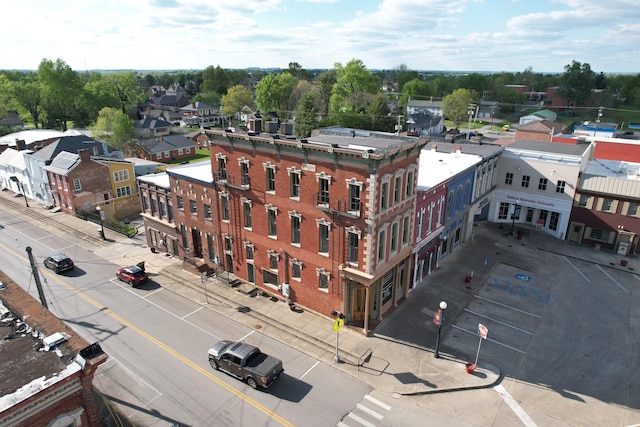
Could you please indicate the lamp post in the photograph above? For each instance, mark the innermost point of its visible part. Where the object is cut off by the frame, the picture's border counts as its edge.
(513, 215)
(443, 307)
(470, 113)
(101, 230)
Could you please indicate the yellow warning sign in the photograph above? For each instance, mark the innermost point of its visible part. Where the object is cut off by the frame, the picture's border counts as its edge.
(338, 324)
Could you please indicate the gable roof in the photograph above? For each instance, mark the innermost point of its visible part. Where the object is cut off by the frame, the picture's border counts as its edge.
(166, 143)
(542, 126)
(70, 144)
(152, 123)
(63, 163)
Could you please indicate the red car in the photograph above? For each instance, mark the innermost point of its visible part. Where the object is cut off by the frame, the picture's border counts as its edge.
(133, 275)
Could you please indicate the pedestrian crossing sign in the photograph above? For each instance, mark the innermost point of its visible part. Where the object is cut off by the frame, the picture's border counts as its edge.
(338, 324)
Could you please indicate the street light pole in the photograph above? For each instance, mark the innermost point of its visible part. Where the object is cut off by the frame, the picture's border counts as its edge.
(101, 231)
(513, 216)
(470, 113)
(443, 307)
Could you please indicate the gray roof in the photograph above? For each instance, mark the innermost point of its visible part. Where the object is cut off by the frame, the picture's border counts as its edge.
(63, 163)
(358, 139)
(166, 143)
(70, 144)
(152, 123)
(548, 147)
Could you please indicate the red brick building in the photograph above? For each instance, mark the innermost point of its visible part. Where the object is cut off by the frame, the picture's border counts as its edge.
(78, 183)
(45, 382)
(326, 222)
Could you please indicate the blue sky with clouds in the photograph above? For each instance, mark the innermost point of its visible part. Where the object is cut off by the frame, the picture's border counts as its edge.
(457, 35)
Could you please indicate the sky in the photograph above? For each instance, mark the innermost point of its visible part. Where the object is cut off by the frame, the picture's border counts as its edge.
(438, 35)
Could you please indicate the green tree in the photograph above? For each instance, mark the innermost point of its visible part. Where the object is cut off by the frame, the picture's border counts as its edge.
(354, 88)
(215, 80)
(306, 116)
(379, 115)
(325, 82)
(273, 92)
(455, 106)
(116, 128)
(415, 89)
(62, 92)
(27, 94)
(296, 70)
(576, 84)
(236, 99)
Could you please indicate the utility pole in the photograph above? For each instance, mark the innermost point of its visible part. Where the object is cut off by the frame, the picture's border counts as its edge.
(36, 277)
(399, 125)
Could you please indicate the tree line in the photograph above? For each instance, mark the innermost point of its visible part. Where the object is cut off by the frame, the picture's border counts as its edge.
(349, 95)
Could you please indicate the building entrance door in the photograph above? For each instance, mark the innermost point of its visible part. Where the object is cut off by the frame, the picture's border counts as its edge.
(358, 303)
(576, 232)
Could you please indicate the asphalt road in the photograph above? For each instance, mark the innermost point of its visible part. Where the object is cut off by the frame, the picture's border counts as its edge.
(157, 342)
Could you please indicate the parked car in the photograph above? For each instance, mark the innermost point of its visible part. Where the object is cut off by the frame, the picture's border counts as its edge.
(133, 275)
(505, 128)
(246, 363)
(59, 263)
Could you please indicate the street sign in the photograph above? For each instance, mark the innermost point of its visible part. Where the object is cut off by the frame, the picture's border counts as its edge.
(483, 331)
(437, 317)
(338, 324)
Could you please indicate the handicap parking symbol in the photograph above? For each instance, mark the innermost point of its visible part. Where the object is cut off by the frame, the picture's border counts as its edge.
(523, 277)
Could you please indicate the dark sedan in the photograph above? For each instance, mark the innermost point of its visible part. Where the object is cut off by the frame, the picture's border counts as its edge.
(132, 275)
(59, 263)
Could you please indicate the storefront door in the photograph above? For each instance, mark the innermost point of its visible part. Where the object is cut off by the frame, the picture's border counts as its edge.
(358, 303)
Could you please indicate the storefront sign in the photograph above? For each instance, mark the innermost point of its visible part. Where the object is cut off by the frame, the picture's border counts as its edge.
(387, 287)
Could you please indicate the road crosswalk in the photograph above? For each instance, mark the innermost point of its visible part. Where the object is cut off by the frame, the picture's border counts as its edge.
(369, 413)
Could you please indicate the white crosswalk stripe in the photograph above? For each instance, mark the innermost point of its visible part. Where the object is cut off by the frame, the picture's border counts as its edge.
(368, 413)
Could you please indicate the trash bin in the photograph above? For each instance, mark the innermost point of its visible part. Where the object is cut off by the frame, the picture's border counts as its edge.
(520, 234)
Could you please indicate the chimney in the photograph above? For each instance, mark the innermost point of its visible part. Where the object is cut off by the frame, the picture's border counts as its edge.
(21, 144)
(84, 155)
(434, 147)
(458, 151)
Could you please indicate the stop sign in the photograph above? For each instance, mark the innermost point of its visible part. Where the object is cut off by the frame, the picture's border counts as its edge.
(482, 330)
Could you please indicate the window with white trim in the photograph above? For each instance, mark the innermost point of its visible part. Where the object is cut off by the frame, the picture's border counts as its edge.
(324, 182)
(193, 208)
(382, 244)
(409, 189)
(222, 166)
(384, 195)
(272, 213)
(323, 236)
(294, 182)
(353, 252)
(249, 249)
(121, 175)
(323, 279)
(561, 186)
(77, 185)
(295, 218)
(406, 223)
(224, 206)
(273, 260)
(393, 245)
(246, 212)
(228, 242)
(355, 189)
(270, 171)
(244, 172)
(123, 191)
(397, 189)
(207, 211)
(296, 269)
(180, 203)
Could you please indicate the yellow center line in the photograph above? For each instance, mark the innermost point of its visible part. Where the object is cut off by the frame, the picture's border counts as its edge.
(162, 345)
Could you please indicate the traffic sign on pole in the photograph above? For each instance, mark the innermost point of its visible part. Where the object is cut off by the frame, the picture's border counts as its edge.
(338, 324)
(483, 330)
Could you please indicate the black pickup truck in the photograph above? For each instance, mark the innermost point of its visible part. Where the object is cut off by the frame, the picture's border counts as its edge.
(245, 362)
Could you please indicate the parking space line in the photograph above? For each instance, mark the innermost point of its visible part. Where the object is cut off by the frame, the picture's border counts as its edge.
(576, 268)
(507, 306)
(498, 321)
(612, 279)
(488, 339)
(515, 407)
(194, 311)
